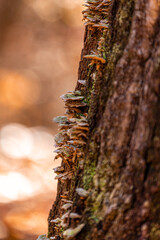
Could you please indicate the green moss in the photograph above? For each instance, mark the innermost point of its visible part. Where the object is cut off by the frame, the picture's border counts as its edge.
(90, 164)
(155, 232)
(104, 55)
(98, 202)
(89, 71)
(88, 175)
(94, 219)
(87, 99)
(61, 229)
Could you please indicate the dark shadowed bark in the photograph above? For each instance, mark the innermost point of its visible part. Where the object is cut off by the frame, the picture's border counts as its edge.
(122, 156)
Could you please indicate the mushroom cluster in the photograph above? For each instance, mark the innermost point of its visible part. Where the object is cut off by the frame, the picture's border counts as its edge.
(73, 130)
(70, 142)
(72, 135)
(61, 224)
(96, 15)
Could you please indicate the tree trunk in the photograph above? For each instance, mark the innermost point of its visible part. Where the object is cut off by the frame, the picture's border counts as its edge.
(121, 170)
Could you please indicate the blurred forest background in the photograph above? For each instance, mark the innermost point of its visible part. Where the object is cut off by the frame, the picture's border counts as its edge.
(40, 46)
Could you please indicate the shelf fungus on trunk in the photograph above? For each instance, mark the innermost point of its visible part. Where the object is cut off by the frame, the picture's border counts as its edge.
(82, 193)
(42, 237)
(70, 142)
(72, 232)
(82, 82)
(96, 14)
(95, 59)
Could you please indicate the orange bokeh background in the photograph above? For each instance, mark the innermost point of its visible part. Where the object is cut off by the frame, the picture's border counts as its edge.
(40, 47)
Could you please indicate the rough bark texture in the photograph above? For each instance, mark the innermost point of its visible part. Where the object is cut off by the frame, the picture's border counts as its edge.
(122, 156)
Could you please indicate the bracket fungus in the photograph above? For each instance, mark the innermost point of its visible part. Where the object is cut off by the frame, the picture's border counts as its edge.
(95, 12)
(72, 232)
(74, 128)
(75, 215)
(82, 192)
(82, 82)
(95, 58)
(97, 15)
(66, 206)
(59, 169)
(42, 237)
(70, 143)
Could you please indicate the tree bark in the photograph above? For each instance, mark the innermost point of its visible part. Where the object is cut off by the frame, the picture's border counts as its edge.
(122, 156)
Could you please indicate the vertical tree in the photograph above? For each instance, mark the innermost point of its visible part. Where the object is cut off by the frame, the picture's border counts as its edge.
(112, 178)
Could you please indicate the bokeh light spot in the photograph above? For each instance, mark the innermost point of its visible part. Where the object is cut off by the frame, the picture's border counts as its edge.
(16, 141)
(15, 186)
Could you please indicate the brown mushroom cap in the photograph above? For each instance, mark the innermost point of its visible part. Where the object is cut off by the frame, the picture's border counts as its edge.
(95, 57)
